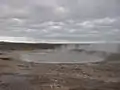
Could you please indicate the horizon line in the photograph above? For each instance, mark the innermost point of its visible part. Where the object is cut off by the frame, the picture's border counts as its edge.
(67, 42)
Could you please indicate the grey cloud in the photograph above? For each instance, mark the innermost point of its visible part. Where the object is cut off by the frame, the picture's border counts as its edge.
(69, 20)
(92, 8)
(77, 9)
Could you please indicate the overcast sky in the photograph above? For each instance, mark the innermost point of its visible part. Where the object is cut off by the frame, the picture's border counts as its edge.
(60, 20)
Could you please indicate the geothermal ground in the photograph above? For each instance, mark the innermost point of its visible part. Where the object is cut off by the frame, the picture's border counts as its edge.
(17, 74)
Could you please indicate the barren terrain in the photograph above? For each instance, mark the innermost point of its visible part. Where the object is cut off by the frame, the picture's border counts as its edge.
(21, 75)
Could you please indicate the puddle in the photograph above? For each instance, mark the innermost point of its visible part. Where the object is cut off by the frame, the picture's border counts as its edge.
(11, 82)
(59, 57)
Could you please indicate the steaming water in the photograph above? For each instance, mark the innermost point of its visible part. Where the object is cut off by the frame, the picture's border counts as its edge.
(59, 57)
(65, 55)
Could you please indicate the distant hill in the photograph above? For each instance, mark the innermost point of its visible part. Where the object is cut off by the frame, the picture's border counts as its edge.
(27, 46)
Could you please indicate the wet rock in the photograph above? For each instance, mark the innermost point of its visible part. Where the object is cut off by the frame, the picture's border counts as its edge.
(5, 58)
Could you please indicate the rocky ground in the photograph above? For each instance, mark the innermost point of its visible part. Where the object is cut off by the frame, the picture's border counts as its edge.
(20, 75)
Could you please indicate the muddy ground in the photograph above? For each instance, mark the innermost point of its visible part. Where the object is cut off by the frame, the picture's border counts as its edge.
(20, 75)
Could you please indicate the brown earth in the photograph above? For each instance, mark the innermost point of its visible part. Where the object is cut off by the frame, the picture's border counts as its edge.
(20, 75)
